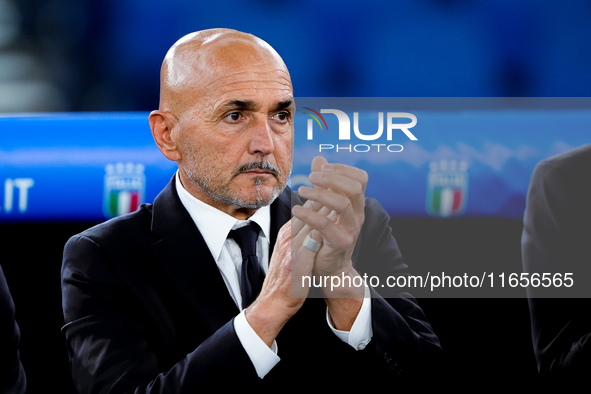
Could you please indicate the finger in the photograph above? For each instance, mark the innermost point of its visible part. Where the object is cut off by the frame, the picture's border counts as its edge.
(303, 251)
(313, 205)
(317, 163)
(300, 229)
(355, 173)
(336, 235)
(333, 216)
(313, 242)
(352, 188)
(324, 211)
(298, 240)
(297, 224)
(338, 183)
(340, 204)
(302, 261)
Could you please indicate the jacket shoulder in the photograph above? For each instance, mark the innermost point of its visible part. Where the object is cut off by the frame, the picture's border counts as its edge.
(571, 160)
(124, 229)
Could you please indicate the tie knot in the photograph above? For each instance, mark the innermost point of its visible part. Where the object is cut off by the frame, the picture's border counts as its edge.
(246, 237)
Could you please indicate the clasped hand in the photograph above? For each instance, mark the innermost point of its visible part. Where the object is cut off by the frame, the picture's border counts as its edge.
(332, 215)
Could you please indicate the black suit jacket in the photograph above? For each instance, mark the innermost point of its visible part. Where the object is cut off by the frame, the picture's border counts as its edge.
(556, 239)
(12, 375)
(146, 310)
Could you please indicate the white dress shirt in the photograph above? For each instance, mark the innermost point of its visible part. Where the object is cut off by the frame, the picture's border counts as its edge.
(214, 226)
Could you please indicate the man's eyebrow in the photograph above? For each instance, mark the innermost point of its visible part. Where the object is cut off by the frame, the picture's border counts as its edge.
(247, 105)
(283, 104)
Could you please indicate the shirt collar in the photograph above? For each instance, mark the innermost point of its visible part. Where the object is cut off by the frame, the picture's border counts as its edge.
(213, 224)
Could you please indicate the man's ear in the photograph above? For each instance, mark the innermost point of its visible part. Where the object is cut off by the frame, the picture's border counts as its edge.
(162, 124)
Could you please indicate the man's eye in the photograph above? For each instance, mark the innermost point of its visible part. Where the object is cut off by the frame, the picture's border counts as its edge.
(233, 116)
(282, 116)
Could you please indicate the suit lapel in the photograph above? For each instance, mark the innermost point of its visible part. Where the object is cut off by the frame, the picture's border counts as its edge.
(280, 214)
(185, 257)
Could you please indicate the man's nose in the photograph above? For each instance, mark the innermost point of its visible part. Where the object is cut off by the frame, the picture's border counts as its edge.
(261, 138)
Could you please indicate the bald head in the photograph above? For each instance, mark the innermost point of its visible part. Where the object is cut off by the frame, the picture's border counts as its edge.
(200, 59)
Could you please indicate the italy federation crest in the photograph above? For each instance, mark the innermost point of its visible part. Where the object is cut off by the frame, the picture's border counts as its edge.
(447, 188)
(124, 189)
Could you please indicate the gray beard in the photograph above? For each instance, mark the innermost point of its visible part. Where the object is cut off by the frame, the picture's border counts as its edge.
(224, 196)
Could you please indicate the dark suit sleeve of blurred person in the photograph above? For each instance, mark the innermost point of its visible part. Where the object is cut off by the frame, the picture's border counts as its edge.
(556, 239)
(12, 375)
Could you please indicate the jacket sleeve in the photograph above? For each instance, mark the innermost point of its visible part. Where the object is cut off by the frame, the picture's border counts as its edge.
(555, 240)
(403, 339)
(110, 344)
(12, 374)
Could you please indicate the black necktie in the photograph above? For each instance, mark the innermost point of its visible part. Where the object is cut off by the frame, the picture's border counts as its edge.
(251, 275)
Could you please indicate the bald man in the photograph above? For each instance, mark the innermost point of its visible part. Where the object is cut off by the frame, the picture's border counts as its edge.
(155, 301)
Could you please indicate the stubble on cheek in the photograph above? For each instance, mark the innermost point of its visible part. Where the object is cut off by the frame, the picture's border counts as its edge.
(223, 188)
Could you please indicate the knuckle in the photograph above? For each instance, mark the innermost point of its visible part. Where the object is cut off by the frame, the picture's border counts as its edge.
(354, 188)
(324, 223)
(346, 205)
(364, 176)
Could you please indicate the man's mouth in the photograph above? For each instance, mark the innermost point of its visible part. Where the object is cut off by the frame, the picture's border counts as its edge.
(257, 172)
(259, 168)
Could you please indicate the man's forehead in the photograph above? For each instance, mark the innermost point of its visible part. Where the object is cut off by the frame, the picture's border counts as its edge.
(261, 89)
(250, 78)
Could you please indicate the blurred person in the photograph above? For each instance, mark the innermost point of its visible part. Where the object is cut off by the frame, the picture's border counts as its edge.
(169, 298)
(555, 240)
(12, 375)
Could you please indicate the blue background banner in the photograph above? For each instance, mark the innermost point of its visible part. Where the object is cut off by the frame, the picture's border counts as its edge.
(472, 157)
(464, 163)
(67, 157)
